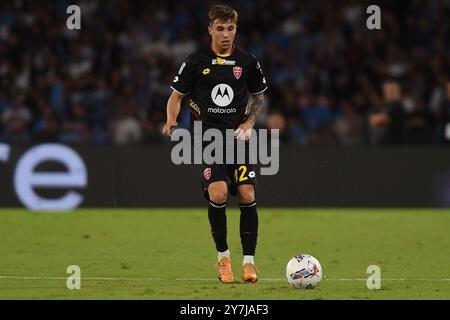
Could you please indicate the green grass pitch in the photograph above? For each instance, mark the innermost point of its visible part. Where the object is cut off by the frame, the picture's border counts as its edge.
(169, 253)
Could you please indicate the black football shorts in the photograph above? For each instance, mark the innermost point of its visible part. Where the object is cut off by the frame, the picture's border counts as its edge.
(233, 174)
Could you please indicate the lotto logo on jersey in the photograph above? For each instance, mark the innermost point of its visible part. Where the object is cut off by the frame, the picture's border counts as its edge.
(207, 173)
(237, 72)
(222, 95)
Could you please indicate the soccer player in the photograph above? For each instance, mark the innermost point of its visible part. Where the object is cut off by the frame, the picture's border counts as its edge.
(224, 85)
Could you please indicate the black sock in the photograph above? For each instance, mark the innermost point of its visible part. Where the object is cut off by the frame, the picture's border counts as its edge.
(249, 228)
(218, 222)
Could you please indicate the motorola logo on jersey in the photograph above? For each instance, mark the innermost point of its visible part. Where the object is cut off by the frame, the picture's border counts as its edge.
(222, 95)
(220, 110)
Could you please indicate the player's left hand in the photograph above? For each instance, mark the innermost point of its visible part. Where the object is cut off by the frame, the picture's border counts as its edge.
(244, 131)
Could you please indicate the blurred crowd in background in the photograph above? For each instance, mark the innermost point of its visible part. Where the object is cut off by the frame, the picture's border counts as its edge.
(331, 80)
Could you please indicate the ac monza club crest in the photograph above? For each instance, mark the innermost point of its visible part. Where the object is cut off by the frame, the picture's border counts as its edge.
(237, 72)
(207, 173)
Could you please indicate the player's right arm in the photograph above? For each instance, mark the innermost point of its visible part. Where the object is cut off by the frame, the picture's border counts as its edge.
(173, 109)
(182, 85)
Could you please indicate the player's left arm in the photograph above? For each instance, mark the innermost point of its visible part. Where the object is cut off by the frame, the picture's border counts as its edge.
(254, 108)
(255, 105)
(256, 85)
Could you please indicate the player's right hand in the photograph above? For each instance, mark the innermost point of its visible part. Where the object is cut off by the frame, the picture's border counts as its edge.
(168, 127)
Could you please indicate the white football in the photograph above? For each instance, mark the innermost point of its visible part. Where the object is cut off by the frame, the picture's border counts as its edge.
(304, 272)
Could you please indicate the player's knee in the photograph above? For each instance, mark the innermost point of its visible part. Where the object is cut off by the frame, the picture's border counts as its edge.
(218, 196)
(218, 193)
(246, 194)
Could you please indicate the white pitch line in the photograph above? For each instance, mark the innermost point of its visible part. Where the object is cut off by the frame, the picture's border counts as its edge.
(83, 278)
(194, 279)
(388, 279)
(356, 279)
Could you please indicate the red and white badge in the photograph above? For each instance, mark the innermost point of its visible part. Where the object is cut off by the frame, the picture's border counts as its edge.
(207, 173)
(237, 72)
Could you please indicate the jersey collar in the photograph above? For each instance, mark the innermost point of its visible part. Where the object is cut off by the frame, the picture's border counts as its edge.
(223, 55)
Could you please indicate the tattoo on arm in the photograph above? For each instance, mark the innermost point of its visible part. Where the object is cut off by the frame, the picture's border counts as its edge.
(254, 107)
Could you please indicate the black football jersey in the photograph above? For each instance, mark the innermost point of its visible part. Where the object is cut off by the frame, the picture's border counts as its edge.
(217, 87)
